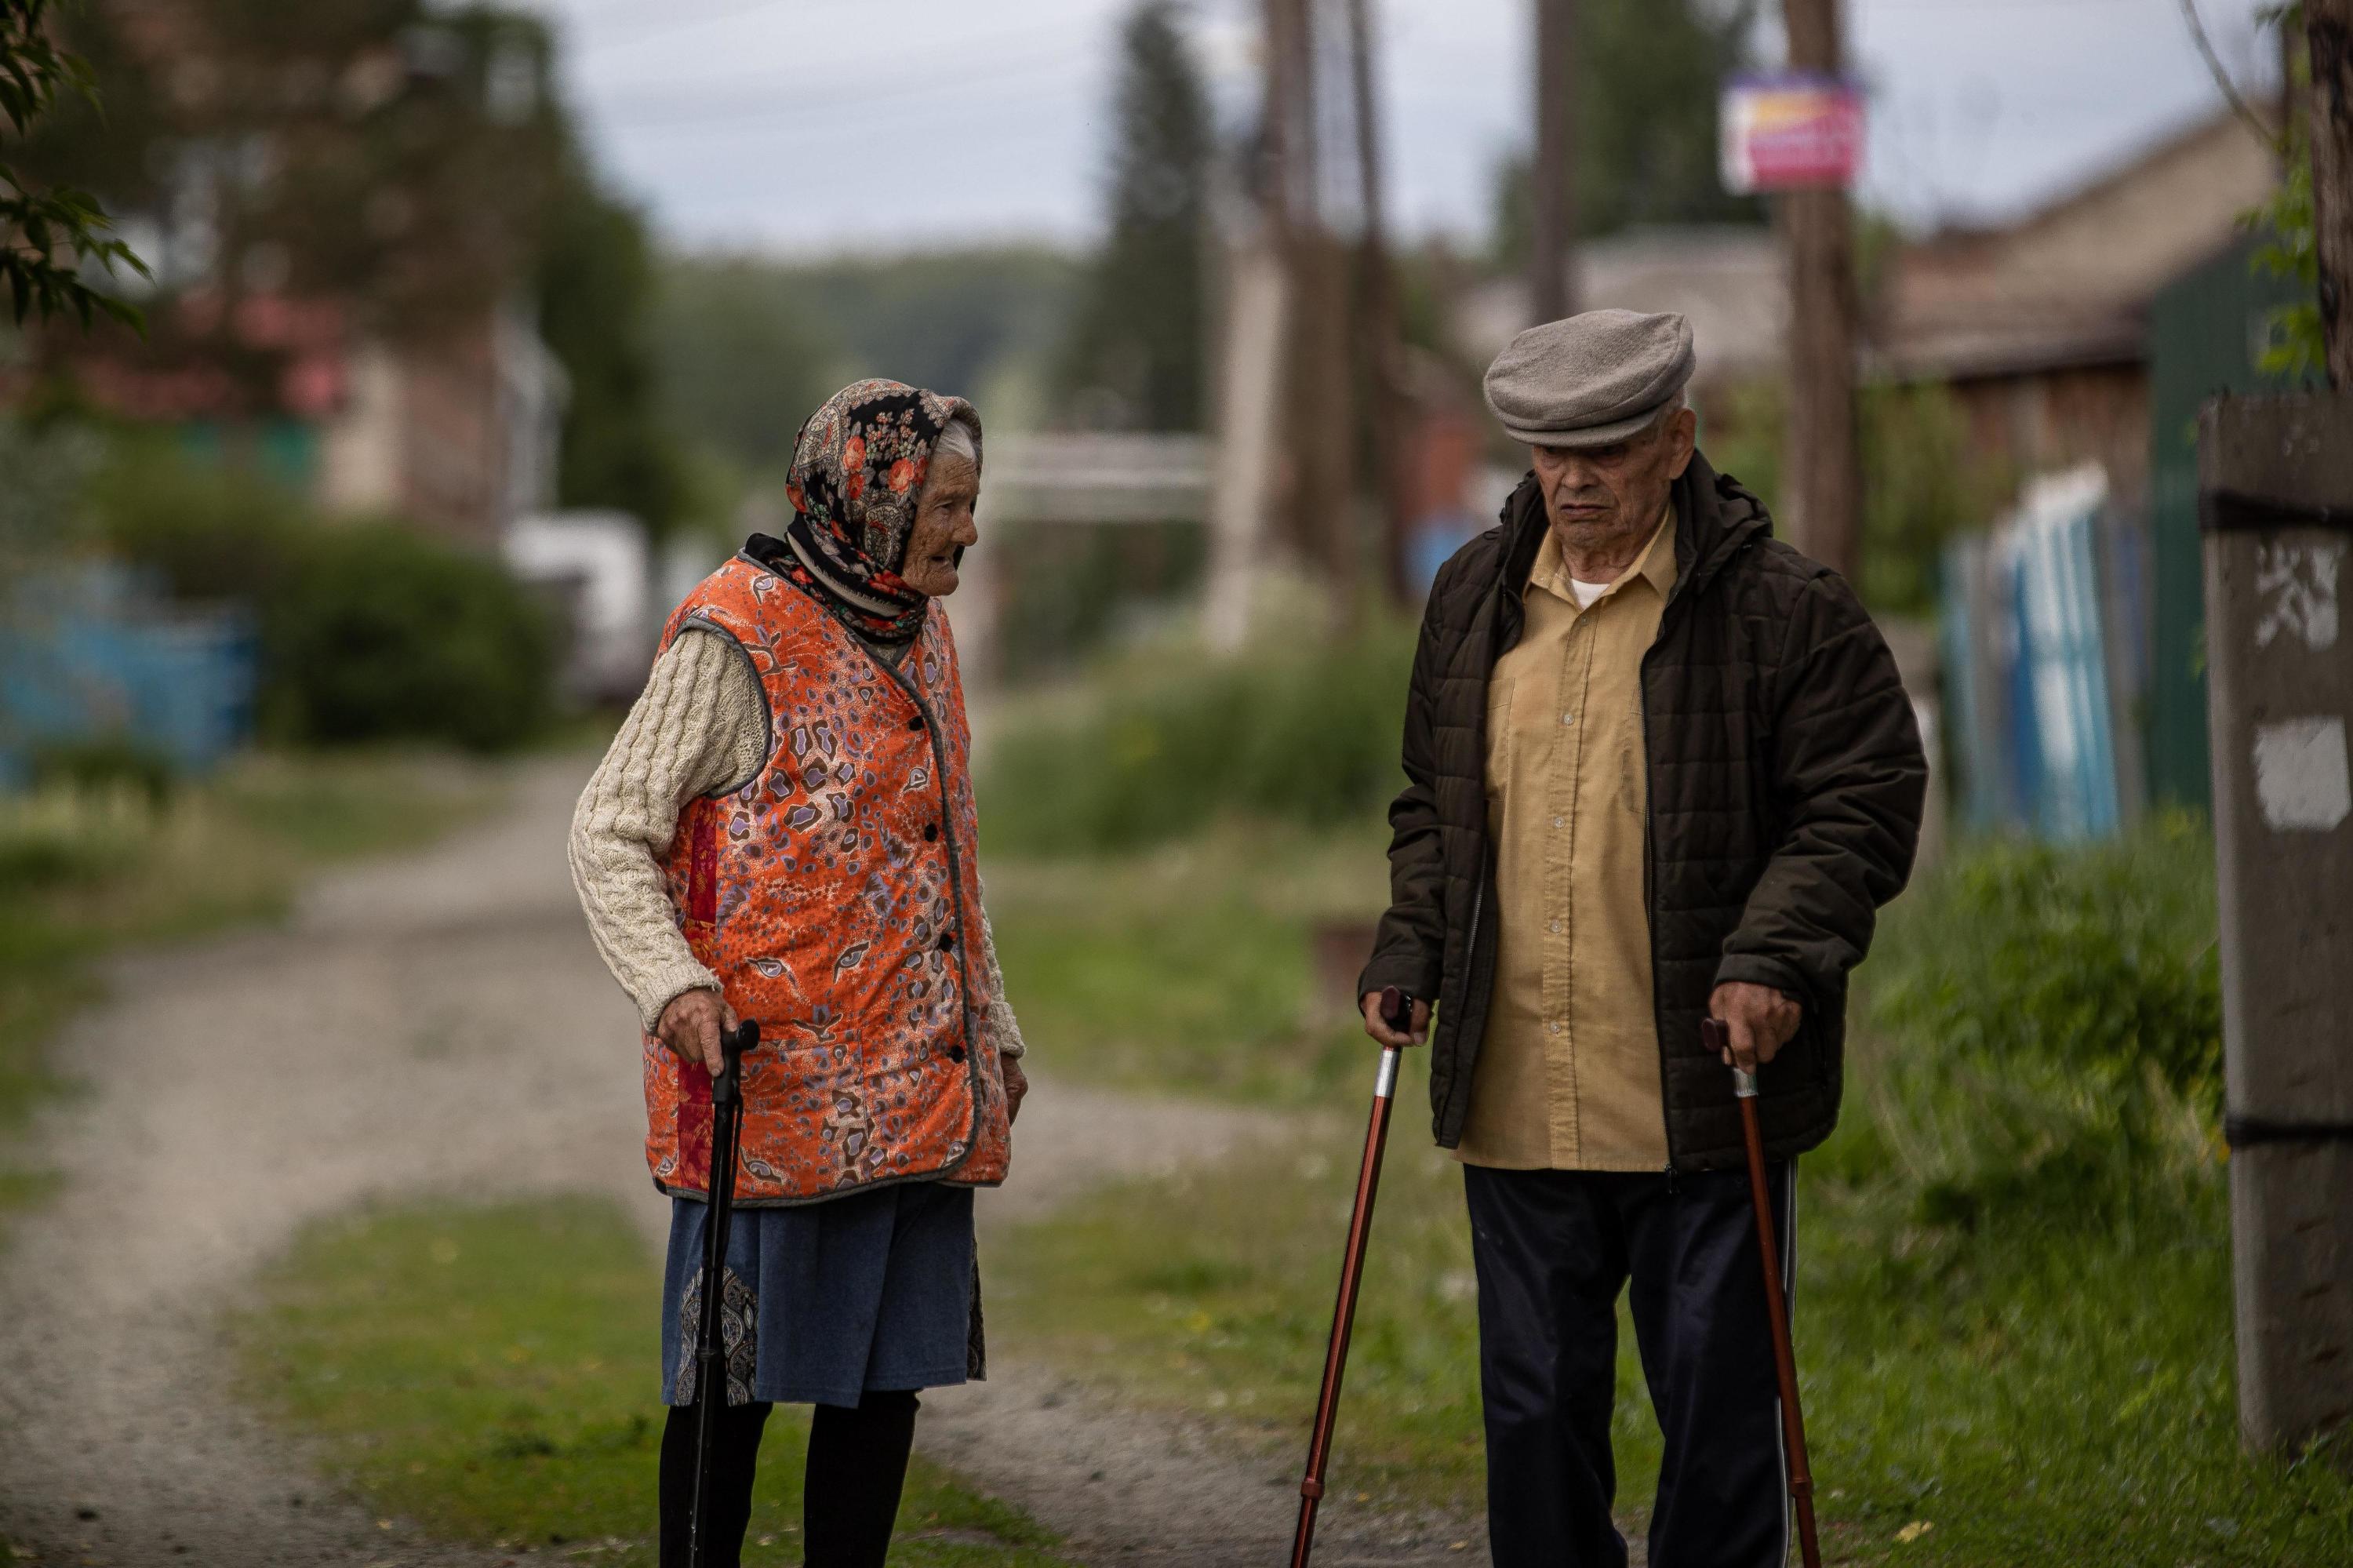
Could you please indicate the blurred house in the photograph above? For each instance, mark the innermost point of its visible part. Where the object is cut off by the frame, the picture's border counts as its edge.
(456, 429)
(2040, 327)
(1732, 281)
(2081, 342)
(339, 230)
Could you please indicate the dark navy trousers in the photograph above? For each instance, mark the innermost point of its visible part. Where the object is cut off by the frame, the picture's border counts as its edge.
(1553, 1248)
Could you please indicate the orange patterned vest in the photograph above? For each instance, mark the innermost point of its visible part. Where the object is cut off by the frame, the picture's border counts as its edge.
(836, 897)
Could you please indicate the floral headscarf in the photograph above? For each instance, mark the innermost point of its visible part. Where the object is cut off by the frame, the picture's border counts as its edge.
(859, 467)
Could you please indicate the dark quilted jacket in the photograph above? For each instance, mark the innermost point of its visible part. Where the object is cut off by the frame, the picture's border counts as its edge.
(1785, 781)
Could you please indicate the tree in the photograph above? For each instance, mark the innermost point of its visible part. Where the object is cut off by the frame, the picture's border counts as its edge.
(1647, 75)
(48, 235)
(383, 160)
(1136, 355)
(595, 288)
(741, 366)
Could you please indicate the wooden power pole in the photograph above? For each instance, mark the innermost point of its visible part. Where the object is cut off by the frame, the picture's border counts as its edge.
(1552, 193)
(1384, 350)
(1823, 470)
(2328, 33)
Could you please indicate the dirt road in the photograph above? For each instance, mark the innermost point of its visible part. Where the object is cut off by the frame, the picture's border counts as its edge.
(441, 1023)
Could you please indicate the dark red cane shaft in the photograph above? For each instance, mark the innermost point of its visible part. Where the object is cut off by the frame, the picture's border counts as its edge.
(1343, 1319)
(1397, 1011)
(1776, 1315)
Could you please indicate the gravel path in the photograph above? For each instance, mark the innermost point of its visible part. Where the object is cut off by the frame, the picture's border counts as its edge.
(441, 1022)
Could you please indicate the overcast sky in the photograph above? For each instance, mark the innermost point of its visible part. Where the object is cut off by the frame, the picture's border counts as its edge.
(822, 125)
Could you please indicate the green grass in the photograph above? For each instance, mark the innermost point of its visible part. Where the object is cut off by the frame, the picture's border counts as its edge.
(83, 871)
(490, 1374)
(2034, 1398)
(1187, 969)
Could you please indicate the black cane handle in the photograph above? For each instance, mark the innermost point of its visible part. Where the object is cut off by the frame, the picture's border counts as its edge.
(733, 1042)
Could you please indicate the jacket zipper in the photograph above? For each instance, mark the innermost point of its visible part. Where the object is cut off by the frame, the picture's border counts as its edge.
(1649, 896)
(1651, 849)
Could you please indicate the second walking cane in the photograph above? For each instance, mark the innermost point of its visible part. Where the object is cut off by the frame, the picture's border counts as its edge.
(1397, 1011)
(1717, 1037)
(710, 1351)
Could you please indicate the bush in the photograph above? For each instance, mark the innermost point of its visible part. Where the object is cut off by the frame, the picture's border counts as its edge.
(1162, 746)
(2051, 1020)
(368, 631)
(387, 634)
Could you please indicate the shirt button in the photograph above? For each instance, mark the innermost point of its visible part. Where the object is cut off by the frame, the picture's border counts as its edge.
(1569, 718)
(1560, 822)
(1556, 928)
(1553, 1028)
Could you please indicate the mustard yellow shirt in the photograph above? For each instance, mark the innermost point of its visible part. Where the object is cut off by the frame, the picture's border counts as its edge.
(1567, 1076)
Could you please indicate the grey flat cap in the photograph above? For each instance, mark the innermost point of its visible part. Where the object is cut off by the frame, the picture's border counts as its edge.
(1591, 380)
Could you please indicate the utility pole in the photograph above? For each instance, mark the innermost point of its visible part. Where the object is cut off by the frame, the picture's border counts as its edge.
(2275, 506)
(1822, 487)
(1552, 193)
(2328, 34)
(1384, 368)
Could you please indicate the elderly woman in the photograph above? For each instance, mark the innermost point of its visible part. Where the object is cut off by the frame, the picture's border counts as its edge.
(784, 829)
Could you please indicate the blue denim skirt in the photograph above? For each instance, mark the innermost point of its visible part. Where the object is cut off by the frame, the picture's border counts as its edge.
(822, 1302)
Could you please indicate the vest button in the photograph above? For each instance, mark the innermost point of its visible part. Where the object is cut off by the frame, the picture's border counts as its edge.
(930, 833)
(955, 1053)
(916, 722)
(947, 940)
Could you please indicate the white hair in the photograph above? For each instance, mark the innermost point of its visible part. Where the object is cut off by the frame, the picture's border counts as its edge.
(961, 439)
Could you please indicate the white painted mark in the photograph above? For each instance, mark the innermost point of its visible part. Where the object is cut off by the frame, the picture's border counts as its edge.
(2301, 779)
(2297, 584)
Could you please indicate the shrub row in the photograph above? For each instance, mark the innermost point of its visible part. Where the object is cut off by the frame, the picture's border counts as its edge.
(370, 629)
(2048, 1025)
(1162, 745)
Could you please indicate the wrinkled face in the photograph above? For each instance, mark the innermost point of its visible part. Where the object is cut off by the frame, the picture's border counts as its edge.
(1598, 493)
(943, 524)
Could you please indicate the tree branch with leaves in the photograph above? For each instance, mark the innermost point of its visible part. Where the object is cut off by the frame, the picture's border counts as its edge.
(50, 237)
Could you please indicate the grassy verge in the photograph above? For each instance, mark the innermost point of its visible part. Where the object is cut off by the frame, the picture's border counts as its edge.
(1188, 968)
(1973, 1399)
(487, 1374)
(2014, 1306)
(84, 871)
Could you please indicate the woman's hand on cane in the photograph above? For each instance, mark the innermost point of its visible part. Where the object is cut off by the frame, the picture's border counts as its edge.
(690, 1027)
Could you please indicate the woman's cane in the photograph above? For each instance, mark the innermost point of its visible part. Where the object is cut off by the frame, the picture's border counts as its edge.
(710, 1352)
(1717, 1036)
(1397, 1011)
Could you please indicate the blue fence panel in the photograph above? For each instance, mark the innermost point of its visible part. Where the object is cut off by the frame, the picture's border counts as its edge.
(2030, 612)
(85, 656)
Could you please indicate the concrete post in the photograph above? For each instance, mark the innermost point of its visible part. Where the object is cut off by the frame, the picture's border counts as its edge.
(2276, 504)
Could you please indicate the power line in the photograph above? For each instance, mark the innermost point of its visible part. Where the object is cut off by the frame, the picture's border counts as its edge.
(809, 106)
(799, 72)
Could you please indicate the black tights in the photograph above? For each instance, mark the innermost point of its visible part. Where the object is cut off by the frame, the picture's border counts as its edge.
(849, 1499)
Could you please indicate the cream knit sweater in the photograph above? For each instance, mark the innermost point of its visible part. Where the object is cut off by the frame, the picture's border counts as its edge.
(701, 726)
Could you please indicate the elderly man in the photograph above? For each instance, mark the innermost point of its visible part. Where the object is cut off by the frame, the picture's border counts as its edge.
(785, 827)
(1660, 768)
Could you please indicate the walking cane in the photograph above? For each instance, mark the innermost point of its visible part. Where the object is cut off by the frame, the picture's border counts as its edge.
(1717, 1036)
(1397, 1011)
(710, 1353)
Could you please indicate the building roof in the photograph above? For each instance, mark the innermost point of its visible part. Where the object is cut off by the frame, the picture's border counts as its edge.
(1730, 279)
(2070, 283)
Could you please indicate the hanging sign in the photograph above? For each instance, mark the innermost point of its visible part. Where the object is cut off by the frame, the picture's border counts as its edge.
(1785, 131)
